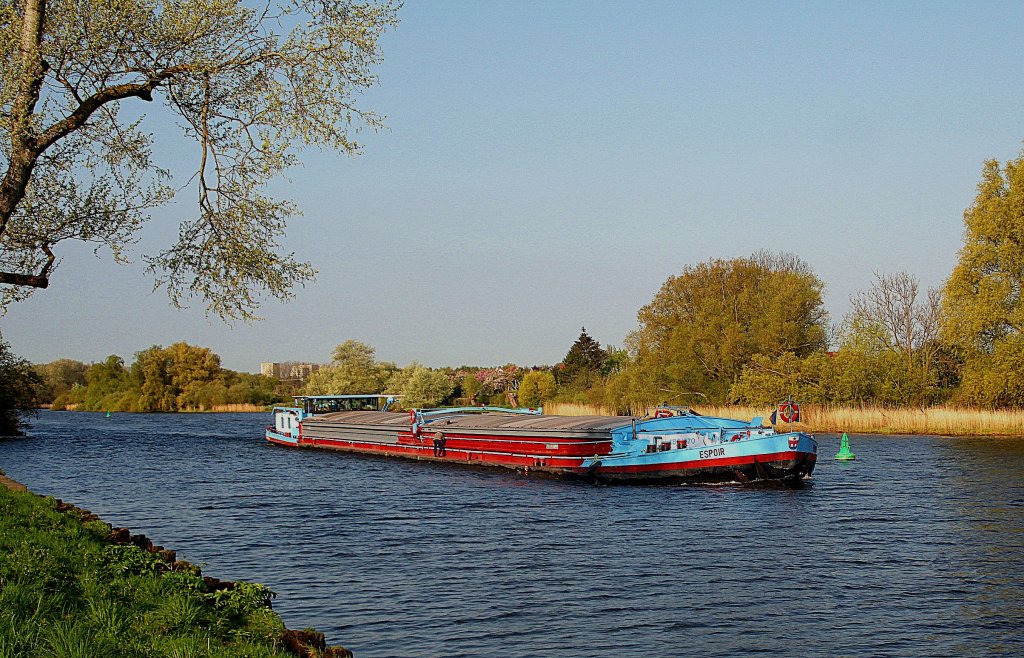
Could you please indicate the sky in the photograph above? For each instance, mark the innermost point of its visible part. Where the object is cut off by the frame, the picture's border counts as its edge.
(548, 165)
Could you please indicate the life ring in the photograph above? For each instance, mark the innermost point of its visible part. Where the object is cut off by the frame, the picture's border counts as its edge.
(789, 412)
(663, 413)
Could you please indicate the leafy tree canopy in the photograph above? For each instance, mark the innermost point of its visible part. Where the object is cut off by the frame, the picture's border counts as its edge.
(249, 84)
(421, 387)
(174, 378)
(982, 313)
(19, 386)
(59, 377)
(354, 370)
(982, 298)
(707, 322)
(848, 376)
(537, 387)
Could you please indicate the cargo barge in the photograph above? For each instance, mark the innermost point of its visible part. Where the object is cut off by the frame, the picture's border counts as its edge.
(675, 445)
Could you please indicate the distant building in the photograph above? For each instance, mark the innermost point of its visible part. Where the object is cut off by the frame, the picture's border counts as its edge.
(289, 371)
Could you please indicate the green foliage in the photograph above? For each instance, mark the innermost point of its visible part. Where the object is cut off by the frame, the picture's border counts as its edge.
(354, 370)
(471, 387)
(129, 560)
(583, 364)
(632, 389)
(706, 323)
(249, 86)
(180, 376)
(420, 387)
(996, 378)
(982, 309)
(64, 592)
(20, 385)
(243, 598)
(59, 377)
(176, 378)
(109, 386)
(848, 377)
(537, 387)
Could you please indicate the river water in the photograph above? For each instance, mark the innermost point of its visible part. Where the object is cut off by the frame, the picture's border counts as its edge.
(916, 549)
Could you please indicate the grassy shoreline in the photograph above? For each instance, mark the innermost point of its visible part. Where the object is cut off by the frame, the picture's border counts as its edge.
(72, 586)
(946, 421)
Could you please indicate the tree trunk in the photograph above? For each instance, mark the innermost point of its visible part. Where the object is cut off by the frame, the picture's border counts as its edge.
(23, 142)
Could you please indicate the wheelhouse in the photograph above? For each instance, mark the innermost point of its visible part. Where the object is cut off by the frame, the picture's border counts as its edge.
(287, 419)
(313, 405)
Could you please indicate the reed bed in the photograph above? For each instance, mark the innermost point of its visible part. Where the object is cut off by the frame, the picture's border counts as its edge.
(239, 407)
(948, 421)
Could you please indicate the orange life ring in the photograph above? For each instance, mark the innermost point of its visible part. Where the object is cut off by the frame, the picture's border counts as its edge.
(789, 412)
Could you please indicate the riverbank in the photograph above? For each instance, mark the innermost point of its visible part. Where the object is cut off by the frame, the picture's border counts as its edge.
(217, 408)
(72, 585)
(946, 421)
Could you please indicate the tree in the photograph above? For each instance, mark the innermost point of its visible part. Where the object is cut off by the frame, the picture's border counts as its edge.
(193, 370)
(353, 354)
(908, 321)
(109, 386)
(892, 330)
(849, 376)
(59, 377)
(583, 363)
(706, 323)
(423, 387)
(151, 370)
(471, 387)
(354, 370)
(250, 84)
(537, 387)
(19, 385)
(982, 313)
(179, 377)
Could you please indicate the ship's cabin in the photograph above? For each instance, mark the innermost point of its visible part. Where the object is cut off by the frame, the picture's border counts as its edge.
(313, 405)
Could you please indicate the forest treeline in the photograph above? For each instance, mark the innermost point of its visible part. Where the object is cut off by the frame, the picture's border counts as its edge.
(180, 377)
(749, 330)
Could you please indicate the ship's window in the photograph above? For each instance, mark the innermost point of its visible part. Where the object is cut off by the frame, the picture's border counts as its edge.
(652, 447)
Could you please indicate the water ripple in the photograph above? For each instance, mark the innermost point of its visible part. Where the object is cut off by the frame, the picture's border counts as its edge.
(915, 549)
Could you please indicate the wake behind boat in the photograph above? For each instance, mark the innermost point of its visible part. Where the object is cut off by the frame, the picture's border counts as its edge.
(675, 445)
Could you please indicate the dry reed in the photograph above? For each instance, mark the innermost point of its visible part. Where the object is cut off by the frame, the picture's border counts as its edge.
(948, 421)
(240, 407)
(243, 407)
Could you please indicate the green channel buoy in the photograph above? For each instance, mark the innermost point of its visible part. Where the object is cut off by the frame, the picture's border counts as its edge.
(845, 454)
(108, 414)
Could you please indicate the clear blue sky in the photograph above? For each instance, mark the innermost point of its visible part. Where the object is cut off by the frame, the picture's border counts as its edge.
(550, 164)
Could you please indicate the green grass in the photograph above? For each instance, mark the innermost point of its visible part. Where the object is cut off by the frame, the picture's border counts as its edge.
(65, 592)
